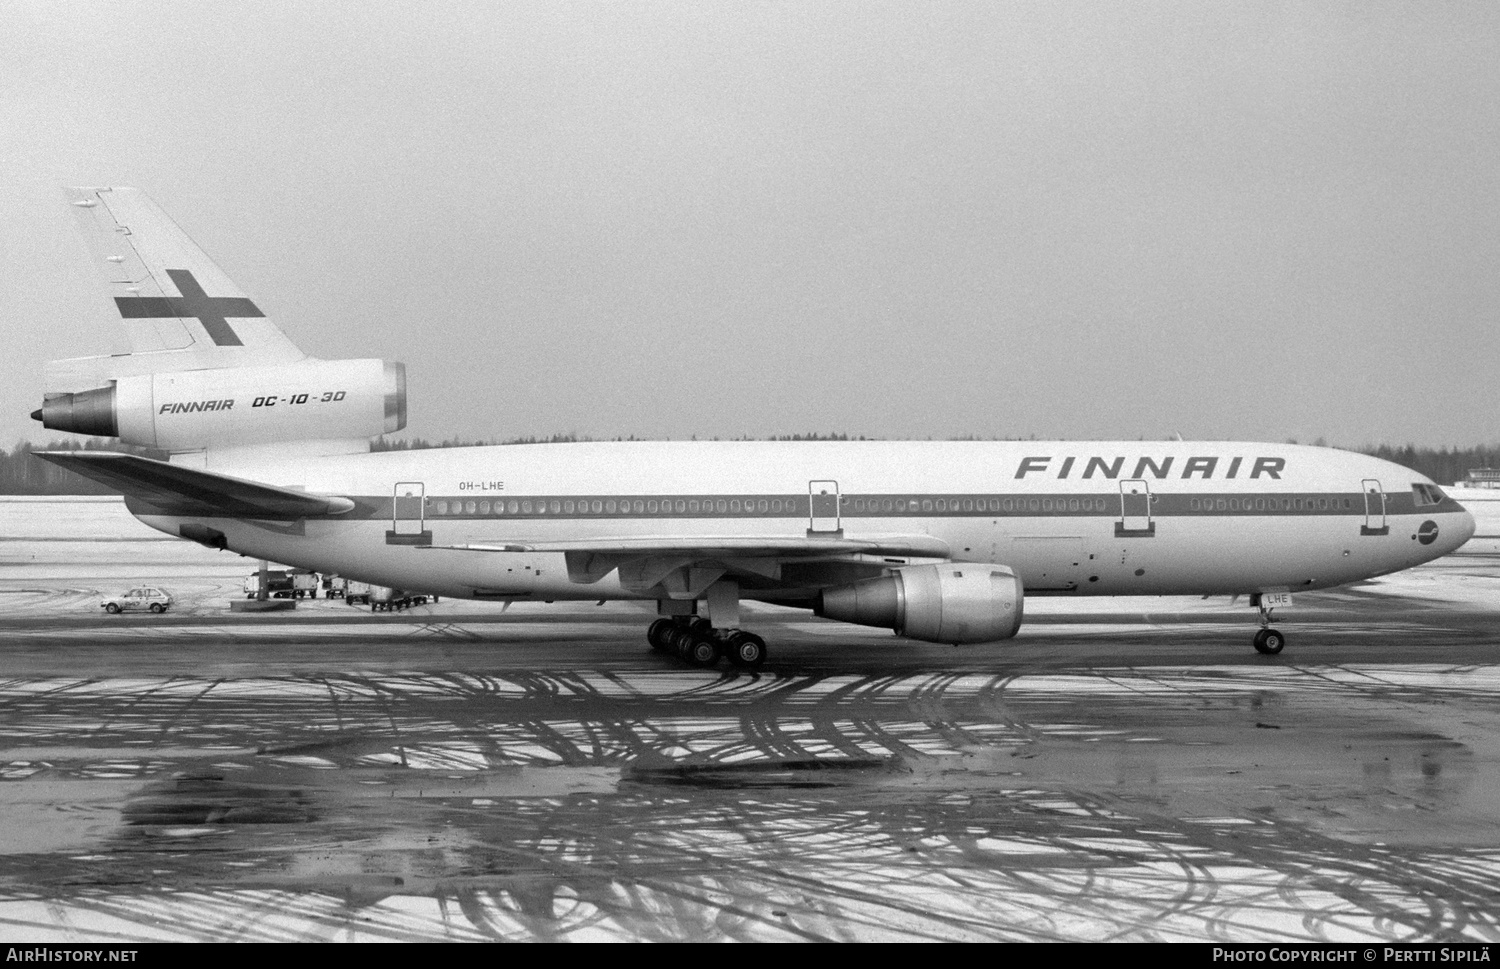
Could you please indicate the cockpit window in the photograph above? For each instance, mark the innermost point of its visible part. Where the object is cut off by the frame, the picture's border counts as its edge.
(1426, 494)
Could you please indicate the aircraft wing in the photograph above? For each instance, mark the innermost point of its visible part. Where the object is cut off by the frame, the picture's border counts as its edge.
(690, 560)
(176, 490)
(744, 545)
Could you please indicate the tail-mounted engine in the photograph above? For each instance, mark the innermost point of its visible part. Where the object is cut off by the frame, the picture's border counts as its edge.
(194, 409)
(953, 603)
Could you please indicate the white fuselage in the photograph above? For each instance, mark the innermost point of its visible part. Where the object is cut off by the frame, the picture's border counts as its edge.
(1070, 518)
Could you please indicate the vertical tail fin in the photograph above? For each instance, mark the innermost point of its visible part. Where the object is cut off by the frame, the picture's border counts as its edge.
(179, 310)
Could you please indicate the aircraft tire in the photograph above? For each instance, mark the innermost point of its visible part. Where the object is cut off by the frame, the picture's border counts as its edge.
(702, 651)
(655, 635)
(1269, 641)
(746, 650)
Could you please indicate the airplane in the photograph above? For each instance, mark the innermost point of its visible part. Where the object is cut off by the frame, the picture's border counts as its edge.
(269, 457)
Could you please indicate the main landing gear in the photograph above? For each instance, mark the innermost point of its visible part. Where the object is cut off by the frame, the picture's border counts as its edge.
(698, 643)
(1268, 641)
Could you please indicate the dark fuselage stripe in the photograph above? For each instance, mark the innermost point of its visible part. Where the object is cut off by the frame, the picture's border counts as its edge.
(851, 507)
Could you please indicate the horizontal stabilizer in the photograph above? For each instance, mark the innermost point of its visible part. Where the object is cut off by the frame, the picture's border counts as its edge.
(172, 489)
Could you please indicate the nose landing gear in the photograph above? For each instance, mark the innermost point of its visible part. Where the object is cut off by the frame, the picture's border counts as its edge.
(1268, 641)
(698, 643)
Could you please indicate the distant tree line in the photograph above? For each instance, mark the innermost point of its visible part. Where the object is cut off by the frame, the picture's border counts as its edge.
(417, 443)
(1443, 465)
(22, 474)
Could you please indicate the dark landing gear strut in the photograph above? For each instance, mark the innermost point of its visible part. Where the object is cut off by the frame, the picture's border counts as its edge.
(698, 643)
(1267, 641)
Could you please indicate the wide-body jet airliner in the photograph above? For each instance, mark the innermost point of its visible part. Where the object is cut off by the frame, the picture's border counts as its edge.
(938, 541)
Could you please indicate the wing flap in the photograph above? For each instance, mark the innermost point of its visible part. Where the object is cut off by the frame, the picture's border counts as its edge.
(172, 489)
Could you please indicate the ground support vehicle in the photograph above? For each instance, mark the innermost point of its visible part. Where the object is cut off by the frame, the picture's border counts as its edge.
(278, 585)
(304, 584)
(385, 599)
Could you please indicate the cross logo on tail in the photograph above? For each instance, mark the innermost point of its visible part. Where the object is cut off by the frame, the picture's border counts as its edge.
(211, 311)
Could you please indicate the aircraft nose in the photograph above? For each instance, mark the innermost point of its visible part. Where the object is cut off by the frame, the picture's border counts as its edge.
(1465, 526)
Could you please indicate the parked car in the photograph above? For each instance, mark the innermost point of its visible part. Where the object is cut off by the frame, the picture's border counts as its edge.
(139, 600)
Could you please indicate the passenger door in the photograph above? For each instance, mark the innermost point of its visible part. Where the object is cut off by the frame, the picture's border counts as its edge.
(823, 508)
(408, 510)
(1375, 523)
(1135, 510)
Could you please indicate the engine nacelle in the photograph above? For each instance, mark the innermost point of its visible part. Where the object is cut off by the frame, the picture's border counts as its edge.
(953, 603)
(191, 409)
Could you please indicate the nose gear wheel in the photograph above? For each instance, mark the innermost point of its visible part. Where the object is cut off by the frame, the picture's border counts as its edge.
(1269, 641)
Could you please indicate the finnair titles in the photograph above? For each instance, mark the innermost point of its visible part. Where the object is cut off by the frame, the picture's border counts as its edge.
(1197, 466)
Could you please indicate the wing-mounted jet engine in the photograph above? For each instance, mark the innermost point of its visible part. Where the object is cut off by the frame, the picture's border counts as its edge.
(950, 603)
(206, 370)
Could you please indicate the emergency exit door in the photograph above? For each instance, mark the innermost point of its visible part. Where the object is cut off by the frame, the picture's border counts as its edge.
(408, 515)
(823, 507)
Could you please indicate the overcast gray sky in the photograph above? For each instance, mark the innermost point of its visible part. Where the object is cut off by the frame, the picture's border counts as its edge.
(1094, 219)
